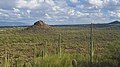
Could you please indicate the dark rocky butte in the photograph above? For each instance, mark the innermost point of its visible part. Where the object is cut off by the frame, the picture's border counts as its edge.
(39, 26)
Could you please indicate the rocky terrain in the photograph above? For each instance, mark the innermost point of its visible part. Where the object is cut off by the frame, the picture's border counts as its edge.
(39, 26)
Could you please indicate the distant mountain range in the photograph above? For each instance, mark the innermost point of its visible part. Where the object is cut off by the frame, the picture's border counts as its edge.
(13, 24)
(115, 23)
(25, 24)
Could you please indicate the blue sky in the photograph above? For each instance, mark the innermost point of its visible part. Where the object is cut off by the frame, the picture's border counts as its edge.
(60, 11)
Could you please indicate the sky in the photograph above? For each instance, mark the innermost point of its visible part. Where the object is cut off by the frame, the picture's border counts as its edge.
(60, 11)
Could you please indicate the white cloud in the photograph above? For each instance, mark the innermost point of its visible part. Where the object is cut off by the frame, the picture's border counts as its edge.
(47, 16)
(96, 2)
(106, 1)
(116, 2)
(58, 10)
(74, 1)
(5, 15)
(79, 14)
(27, 4)
(51, 2)
(114, 13)
(28, 11)
(18, 15)
(33, 4)
(16, 10)
(71, 12)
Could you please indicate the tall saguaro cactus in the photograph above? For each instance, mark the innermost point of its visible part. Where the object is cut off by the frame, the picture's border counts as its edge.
(6, 52)
(45, 49)
(34, 56)
(6, 65)
(91, 45)
(59, 45)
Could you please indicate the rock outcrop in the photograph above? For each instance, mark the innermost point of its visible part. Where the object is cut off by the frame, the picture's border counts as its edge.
(39, 26)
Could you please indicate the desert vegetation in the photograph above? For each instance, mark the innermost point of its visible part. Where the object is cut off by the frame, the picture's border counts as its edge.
(60, 46)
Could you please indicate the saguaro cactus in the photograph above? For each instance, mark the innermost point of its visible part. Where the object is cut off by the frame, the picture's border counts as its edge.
(44, 51)
(34, 57)
(59, 45)
(91, 45)
(6, 57)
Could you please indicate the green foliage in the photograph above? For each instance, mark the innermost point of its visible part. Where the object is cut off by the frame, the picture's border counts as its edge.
(39, 49)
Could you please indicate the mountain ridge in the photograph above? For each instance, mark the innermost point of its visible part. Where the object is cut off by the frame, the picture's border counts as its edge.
(2, 23)
(115, 23)
(13, 23)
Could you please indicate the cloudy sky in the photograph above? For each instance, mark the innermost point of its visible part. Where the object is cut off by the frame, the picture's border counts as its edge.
(60, 11)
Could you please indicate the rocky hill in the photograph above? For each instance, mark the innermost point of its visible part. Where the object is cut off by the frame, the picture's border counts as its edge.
(39, 26)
